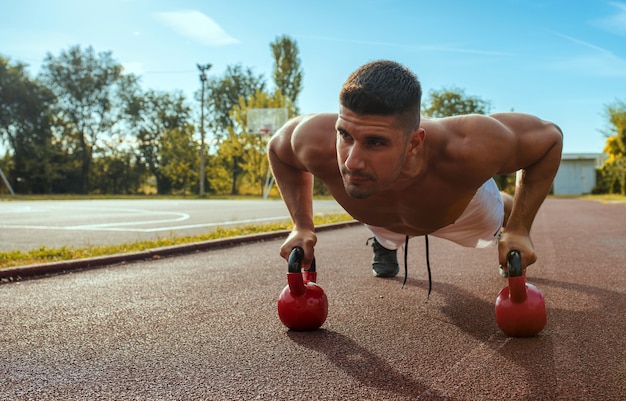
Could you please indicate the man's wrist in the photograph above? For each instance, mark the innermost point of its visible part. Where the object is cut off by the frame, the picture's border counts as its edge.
(306, 227)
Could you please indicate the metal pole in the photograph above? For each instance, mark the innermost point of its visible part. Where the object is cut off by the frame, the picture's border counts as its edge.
(203, 69)
(4, 178)
(202, 139)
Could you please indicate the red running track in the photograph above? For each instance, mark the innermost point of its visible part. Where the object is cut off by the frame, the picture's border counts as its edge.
(203, 326)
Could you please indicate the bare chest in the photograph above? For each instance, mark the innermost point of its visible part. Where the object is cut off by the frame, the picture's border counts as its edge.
(413, 212)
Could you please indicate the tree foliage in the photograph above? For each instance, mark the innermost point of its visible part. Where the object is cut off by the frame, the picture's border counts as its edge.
(613, 171)
(84, 84)
(223, 94)
(287, 70)
(251, 149)
(152, 115)
(180, 159)
(119, 172)
(453, 102)
(25, 124)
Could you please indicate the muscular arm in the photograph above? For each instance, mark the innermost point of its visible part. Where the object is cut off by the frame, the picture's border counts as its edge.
(296, 187)
(535, 155)
(294, 182)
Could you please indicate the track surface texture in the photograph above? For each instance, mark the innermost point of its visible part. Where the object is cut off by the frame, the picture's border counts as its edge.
(204, 326)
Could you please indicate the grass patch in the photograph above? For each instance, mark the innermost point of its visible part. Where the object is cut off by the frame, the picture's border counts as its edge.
(605, 198)
(46, 255)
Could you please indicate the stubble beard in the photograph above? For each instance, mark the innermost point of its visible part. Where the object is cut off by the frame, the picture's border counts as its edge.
(357, 191)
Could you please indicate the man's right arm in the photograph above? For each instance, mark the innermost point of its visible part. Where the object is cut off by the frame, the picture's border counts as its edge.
(295, 184)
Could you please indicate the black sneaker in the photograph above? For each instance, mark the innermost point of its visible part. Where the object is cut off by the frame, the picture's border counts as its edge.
(385, 261)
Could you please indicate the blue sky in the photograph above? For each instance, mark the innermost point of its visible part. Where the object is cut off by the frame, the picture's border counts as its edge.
(562, 60)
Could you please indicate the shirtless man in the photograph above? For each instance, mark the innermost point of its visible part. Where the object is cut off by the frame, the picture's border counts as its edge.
(405, 177)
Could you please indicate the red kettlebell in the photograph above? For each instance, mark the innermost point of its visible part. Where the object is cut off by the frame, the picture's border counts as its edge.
(520, 306)
(302, 304)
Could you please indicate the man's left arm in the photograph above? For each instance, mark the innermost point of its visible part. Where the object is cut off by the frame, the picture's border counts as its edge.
(537, 156)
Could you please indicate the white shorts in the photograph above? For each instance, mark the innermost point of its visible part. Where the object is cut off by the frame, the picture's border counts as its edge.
(478, 226)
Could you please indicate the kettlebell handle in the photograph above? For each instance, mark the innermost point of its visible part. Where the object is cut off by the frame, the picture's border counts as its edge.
(514, 264)
(294, 263)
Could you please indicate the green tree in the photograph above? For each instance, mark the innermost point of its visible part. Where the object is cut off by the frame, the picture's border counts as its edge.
(229, 157)
(223, 93)
(287, 71)
(5, 163)
(120, 172)
(250, 149)
(218, 174)
(453, 102)
(67, 158)
(25, 124)
(180, 159)
(84, 83)
(613, 171)
(151, 115)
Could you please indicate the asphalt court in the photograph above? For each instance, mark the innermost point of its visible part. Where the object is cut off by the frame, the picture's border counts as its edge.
(26, 225)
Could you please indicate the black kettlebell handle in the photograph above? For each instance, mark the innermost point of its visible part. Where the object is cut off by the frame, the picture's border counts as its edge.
(514, 264)
(294, 263)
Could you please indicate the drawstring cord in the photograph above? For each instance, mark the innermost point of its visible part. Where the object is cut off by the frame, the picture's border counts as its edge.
(430, 278)
(406, 251)
(406, 270)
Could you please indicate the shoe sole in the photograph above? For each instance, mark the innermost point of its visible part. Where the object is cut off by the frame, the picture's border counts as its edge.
(383, 275)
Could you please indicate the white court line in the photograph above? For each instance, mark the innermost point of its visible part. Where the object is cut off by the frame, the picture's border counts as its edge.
(183, 216)
(102, 226)
(107, 227)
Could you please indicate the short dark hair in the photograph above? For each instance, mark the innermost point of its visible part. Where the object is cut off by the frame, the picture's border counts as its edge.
(384, 88)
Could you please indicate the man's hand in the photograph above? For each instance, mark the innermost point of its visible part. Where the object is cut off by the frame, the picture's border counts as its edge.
(306, 239)
(511, 241)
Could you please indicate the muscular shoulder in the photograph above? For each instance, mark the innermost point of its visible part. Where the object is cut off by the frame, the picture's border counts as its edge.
(469, 134)
(306, 141)
(474, 126)
(472, 147)
(520, 122)
(495, 143)
(314, 141)
(312, 129)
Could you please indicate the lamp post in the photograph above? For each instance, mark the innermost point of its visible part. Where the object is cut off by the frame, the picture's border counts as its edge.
(203, 69)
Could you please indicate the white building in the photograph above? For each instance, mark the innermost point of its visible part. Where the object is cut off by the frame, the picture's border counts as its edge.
(577, 173)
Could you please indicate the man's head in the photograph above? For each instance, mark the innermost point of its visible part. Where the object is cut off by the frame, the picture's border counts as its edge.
(378, 133)
(384, 88)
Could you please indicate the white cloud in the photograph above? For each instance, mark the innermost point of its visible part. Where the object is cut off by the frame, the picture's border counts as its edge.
(615, 23)
(582, 43)
(195, 25)
(598, 62)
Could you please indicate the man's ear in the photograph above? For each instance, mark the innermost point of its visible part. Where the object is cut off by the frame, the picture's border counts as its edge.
(416, 141)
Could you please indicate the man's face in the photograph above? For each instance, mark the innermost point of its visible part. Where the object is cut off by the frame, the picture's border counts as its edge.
(370, 152)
